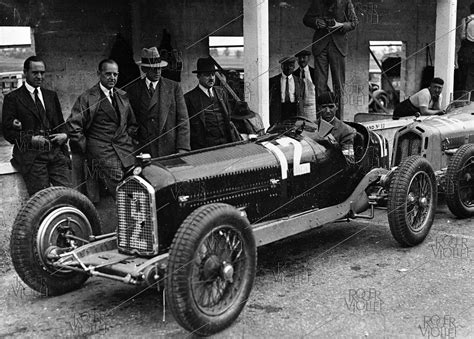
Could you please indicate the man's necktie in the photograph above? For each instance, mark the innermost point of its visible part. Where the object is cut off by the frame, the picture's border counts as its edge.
(40, 109)
(114, 104)
(210, 93)
(303, 74)
(287, 91)
(151, 89)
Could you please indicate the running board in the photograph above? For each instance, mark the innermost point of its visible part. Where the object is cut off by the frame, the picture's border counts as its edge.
(271, 231)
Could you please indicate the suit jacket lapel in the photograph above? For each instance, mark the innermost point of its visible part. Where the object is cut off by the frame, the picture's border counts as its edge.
(27, 100)
(164, 94)
(221, 100)
(201, 105)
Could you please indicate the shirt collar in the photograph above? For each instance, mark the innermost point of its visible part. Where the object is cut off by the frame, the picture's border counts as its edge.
(105, 90)
(205, 90)
(155, 83)
(31, 89)
(283, 76)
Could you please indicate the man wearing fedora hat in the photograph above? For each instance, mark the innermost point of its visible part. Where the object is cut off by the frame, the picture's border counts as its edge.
(287, 93)
(101, 127)
(209, 109)
(160, 110)
(306, 73)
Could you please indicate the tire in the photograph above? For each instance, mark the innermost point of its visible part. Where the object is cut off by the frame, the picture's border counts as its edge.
(41, 224)
(192, 263)
(412, 200)
(460, 182)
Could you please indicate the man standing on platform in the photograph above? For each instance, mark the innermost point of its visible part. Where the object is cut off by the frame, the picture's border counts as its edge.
(331, 20)
(34, 123)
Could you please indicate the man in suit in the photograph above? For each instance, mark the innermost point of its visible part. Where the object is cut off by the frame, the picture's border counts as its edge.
(287, 93)
(306, 73)
(342, 132)
(101, 127)
(34, 123)
(209, 110)
(160, 110)
(331, 20)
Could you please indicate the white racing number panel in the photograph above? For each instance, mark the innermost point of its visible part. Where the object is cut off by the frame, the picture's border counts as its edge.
(298, 167)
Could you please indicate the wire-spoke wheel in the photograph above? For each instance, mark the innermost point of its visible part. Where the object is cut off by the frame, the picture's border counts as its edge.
(211, 269)
(460, 182)
(412, 201)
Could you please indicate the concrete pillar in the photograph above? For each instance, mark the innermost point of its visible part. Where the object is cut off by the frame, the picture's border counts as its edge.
(256, 57)
(445, 46)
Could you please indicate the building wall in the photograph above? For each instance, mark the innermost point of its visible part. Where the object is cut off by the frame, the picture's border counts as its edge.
(73, 36)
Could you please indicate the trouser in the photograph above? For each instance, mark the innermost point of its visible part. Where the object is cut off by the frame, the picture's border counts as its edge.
(405, 109)
(288, 110)
(109, 171)
(48, 168)
(331, 57)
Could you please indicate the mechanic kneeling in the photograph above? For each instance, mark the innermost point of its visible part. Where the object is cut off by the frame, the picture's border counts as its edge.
(342, 132)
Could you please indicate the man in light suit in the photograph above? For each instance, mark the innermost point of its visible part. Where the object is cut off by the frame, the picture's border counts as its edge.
(209, 110)
(34, 123)
(160, 109)
(306, 73)
(102, 126)
(331, 20)
(287, 93)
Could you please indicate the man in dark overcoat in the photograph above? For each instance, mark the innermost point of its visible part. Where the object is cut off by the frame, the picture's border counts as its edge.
(160, 110)
(209, 110)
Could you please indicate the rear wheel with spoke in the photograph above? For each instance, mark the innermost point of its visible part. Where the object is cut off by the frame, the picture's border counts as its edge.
(412, 201)
(211, 269)
(460, 182)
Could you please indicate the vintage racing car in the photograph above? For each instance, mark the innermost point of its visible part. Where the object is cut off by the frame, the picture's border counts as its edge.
(447, 142)
(194, 220)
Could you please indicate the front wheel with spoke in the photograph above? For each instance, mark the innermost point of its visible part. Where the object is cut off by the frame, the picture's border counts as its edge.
(460, 182)
(412, 200)
(211, 269)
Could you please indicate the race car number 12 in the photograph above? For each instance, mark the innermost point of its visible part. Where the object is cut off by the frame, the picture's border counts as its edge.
(298, 167)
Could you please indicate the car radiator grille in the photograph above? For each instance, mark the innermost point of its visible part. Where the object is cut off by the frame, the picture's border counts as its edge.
(136, 232)
(408, 144)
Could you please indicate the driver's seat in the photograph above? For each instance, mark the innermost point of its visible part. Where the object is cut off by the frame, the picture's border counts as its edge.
(359, 148)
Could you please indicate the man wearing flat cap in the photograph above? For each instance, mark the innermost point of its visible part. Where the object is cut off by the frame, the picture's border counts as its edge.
(209, 110)
(160, 110)
(287, 93)
(306, 73)
(342, 132)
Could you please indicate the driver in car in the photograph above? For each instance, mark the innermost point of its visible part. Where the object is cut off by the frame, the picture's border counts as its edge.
(340, 131)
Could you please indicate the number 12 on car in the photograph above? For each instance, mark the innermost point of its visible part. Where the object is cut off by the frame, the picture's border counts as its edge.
(298, 167)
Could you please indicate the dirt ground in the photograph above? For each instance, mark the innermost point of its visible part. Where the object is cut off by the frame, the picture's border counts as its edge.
(342, 280)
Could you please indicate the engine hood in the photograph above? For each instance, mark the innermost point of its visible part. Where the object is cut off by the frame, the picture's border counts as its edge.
(196, 165)
(225, 160)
